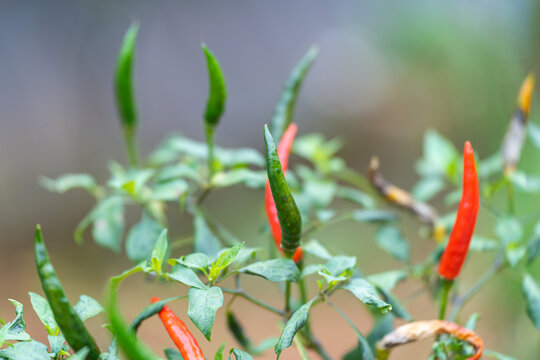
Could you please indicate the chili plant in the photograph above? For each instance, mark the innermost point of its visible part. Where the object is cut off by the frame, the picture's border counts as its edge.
(299, 200)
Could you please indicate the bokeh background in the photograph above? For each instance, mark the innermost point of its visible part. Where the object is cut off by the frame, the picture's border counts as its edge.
(387, 71)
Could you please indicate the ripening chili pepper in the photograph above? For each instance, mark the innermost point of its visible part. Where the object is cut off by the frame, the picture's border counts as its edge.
(69, 322)
(180, 334)
(515, 136)
(288, 214)
(458, 245)
(420, 330)
(283, 151)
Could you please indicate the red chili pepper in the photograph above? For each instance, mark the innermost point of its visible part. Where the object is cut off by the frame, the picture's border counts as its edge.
(180, 334)
(456, 251)
(283, 150)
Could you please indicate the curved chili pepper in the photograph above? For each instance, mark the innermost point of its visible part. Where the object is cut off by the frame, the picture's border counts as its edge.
(517, 130)
(456, 251)
(180, 334)
(71, 325)
(420, 330)
(283, 151)
(290, 221)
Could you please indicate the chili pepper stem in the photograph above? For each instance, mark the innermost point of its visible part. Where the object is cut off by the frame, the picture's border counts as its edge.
(302, 287)
(209, 131)
(446, 286)
(253, 300)
(131, 147)
(287, 298)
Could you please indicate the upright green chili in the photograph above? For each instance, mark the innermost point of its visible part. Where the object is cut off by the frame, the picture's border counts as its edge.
(283, 112)
(67, 319)
(287, 211)
(215, 105)
(124, 93)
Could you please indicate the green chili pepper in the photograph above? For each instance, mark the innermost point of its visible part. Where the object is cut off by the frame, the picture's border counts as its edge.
(67, 319)
(124, 92)
(283, 112)
(215, 104)
(288, 213)
(238, 332)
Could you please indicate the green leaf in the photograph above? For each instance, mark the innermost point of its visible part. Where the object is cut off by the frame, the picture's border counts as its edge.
(150, 311)
(509, 230)
(533, 245)
(250, 178)
(439, 155)
(15, 329)
(284, 109)
(67, 182)
(338, 264)
(373, 216)
(240, 355)
(273, 270)
(44, 312)
(525, 182)
(123, 82)
(320, 192)
(205, 240)
(391, 240)
(170, 190)
(179, 171)
(366, 293)
(398, 309)
(159, 252)
(531, 291)
(315, 248)
(362, 351)
(482, 244)
(217, 96)
(427, 188)
(219, 352)
(58, 344)
(87, 307)
(203, 305)
(471, 322)
(186, 276)
(515, 253)
(225, 258)
(80, 355)
(172, 354)
(141, 239)
(356, 196)
(108, 214)
(198, 261)
(297, 321)
(26, 350)
(387, 280)
(491, 165)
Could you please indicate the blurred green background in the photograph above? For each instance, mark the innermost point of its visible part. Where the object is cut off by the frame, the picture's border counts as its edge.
(386, 72)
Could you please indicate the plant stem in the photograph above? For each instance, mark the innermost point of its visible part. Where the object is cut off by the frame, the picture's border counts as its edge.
(511, 206)
(344, 316)
(301, 348)
(255, 301)
(287, 298)
(458, 304)
(131, 147)
(446, 285)
(209, 130)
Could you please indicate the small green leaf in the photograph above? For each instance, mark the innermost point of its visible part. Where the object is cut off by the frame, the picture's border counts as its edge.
(159, 252)
(225, 258)
(15, 329)
(87, 307)
(391, 240)
(240, 355)
(284, 109)
(172, 354)
(439, 154)
(297, 321)
(67, 182)
(186, 276)
(124, 78)
(205, 240)
(471, 322)
(44, 312)
(142, 238)
(197, 261)
(509, 230)
(170, 190)
(80, 355)
(217, 96)
(372, 216)
(274, 270)
(219, 352)
(315, 248)
(150, 311)
(336, 265)
(427, 188)
(250, 178)
(388, 280)
(531, 291)
(515, 253)
(366, 293)
(26, 350)
(203, 305)
(482, 244)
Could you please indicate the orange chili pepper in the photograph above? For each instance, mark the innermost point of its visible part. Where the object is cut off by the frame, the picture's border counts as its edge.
(458, 244)
(180, 334)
